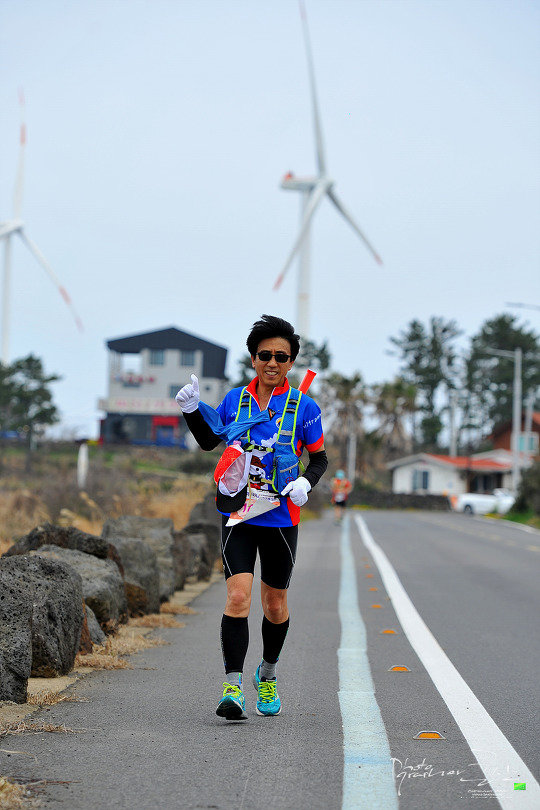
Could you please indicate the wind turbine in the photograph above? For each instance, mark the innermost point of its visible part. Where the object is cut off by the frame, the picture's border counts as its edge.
(16, 226)
(313, 190)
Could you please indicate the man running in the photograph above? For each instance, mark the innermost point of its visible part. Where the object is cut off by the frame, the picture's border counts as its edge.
(273, 347)
(341, 489)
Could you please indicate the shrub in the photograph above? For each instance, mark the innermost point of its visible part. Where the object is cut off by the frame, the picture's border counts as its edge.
(528, 497)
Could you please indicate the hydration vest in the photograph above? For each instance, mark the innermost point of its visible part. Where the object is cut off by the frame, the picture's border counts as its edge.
(286, 464)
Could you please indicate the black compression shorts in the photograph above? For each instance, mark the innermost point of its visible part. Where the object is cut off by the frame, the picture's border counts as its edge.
(276, 546)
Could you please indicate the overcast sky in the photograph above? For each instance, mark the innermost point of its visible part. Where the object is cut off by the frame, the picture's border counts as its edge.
(158, 133)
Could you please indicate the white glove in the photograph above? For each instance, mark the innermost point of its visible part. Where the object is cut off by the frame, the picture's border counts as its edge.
(188, 397)
(297, 491)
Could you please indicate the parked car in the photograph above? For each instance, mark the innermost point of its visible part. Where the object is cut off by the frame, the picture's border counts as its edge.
(472, 503)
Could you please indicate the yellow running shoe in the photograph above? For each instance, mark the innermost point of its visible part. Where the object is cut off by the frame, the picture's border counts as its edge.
(233, 703)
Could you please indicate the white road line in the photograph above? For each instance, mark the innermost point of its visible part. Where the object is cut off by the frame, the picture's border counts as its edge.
(368, 781)
(499, 761)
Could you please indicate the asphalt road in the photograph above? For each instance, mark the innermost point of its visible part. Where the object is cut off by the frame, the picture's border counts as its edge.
(474, 582)
(149, 737)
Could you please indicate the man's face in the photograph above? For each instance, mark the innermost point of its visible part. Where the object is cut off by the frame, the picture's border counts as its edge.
(271, 373)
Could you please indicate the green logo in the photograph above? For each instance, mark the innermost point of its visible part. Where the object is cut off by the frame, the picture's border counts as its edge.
(520, 785)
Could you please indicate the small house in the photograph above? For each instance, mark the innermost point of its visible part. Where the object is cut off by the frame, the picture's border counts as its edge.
(435, 474)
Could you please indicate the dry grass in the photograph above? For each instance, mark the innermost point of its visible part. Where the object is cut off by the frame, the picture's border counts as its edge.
(128, 642)
(68, 518)
(4, 545)
(184, 610)
(99, 660)
(22, 727)
(155, 620)
(109, 655)
(116, 487)
(20, 511)
(178, 503)
(13, 796)
(45, 697)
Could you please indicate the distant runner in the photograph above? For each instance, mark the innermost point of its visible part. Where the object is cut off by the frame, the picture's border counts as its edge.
(293, 422)
(341, 488)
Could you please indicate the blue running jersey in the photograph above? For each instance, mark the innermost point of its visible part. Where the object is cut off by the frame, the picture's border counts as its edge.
(308, 434)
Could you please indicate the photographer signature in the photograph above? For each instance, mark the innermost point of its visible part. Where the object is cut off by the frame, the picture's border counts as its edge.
(403, 770)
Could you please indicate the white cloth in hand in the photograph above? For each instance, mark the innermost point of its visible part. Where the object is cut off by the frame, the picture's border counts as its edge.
(188, 397)
(297, 491)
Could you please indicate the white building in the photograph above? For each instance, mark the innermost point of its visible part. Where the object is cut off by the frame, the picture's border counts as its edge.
(145, 372)
(452, 475)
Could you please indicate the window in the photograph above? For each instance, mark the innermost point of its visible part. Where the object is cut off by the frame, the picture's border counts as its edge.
(157, 357)
(187, 358)
(130, 364)
(528, 443)
(174, 389)
(130, 371)
(420, 480)
(487, 483)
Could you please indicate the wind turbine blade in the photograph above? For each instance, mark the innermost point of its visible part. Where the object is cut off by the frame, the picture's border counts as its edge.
(343, 211)
(314, 199)
(48, 269)
(17, 196)
(316, 117)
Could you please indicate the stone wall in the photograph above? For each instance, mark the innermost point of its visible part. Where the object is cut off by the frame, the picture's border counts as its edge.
(383, 499)
(63, 589)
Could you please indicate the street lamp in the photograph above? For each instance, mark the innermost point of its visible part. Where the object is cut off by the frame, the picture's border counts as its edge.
(519, 305)
(516, 356)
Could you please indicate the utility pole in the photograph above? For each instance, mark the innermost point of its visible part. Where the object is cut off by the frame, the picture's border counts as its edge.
(516, 418)
(351, 451)
(522, 306)
(453, 434)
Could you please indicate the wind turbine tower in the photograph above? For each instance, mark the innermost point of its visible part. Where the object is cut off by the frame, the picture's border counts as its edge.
(313, 190)
(14, 226)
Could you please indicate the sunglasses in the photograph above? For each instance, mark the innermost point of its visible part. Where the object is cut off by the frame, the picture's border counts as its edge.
(280, 357)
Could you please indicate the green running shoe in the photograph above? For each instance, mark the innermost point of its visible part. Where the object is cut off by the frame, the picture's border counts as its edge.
(233, 703)
(268, 702)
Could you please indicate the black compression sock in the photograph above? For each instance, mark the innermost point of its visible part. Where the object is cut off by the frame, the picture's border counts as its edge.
(234, 642)
(273, 636)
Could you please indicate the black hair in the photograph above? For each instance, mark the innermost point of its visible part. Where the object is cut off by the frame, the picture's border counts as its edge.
(270, 327)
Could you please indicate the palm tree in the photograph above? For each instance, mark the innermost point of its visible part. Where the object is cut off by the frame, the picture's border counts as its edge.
(342, 400)
(393, 402)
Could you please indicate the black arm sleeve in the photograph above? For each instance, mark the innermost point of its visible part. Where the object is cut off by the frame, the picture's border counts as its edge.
(316, 468)
(204, 436)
